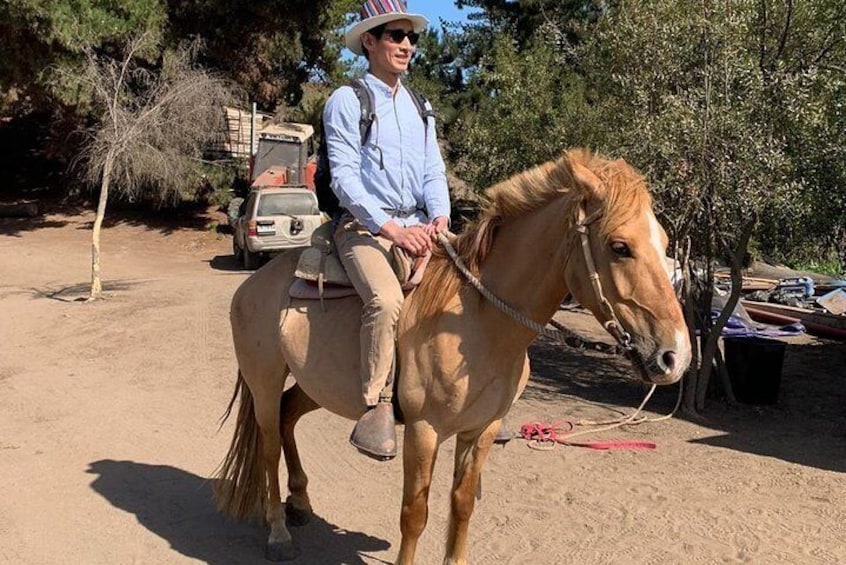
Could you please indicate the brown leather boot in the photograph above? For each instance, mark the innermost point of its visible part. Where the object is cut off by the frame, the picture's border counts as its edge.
(375, 433)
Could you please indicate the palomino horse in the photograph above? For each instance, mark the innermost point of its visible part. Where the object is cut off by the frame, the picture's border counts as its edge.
(462, 362)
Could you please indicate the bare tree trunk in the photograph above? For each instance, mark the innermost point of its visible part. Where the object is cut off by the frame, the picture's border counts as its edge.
(709, 348)
(692, 376)
(96, 283)
(689, 310)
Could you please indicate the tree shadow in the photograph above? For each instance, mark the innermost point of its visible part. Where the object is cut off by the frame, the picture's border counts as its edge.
(15, 227)
(187, 216)
(79, 292)
(807, 426)
(59, 214)
(177, 506)
(591, 376)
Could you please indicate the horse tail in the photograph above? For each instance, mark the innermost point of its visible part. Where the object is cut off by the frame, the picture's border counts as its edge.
(241, 487)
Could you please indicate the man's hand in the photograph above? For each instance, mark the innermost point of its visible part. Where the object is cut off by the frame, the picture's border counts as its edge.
(413, 239)
(438, 225)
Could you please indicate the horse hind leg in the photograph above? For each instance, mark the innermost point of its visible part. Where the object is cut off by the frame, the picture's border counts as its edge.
(293, 406)
(279, 547)
(471, 451)
(248, 480)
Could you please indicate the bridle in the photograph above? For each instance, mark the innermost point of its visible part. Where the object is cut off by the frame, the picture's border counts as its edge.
(612, 325)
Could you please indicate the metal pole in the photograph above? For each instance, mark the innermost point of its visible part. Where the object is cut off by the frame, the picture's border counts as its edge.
(253, 130)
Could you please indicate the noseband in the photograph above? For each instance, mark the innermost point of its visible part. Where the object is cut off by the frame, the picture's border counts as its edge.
(612, 325)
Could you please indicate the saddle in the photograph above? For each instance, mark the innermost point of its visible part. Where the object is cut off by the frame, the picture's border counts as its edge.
(320, 274)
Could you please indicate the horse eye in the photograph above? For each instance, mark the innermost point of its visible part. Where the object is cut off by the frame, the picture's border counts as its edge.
(621, 249)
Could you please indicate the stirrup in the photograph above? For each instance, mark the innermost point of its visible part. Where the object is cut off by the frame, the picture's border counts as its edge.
(375, 433)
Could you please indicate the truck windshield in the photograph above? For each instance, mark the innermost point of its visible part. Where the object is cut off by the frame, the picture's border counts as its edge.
(278, 154)
(287, 203)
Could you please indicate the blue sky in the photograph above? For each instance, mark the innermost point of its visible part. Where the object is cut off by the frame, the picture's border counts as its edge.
(434, 9)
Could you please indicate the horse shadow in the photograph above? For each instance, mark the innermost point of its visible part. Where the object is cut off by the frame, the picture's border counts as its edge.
(589, 375)
(806, 425)
(177, 506)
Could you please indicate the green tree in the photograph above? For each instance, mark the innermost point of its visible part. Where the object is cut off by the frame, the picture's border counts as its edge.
(707, 98)
(41, 37)
(268, 48)
(532, 107)
(522, 98)
(734, 110)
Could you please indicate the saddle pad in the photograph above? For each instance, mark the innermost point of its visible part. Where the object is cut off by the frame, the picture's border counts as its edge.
(307, 290)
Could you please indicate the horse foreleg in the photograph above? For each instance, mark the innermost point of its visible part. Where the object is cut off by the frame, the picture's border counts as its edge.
(295, 403)
(420, 449)
(267, 407)
(471, 451)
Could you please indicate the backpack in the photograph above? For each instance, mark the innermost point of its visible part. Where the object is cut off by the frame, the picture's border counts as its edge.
(326, 199)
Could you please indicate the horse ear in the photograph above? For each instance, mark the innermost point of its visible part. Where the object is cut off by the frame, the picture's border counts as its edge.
(590, 183)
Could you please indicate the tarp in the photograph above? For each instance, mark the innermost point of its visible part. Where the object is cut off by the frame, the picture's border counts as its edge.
(740, 324)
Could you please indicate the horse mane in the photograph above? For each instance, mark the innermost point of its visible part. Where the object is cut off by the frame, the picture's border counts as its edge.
(626, 197)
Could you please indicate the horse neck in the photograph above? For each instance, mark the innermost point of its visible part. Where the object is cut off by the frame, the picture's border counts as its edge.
(526, 264)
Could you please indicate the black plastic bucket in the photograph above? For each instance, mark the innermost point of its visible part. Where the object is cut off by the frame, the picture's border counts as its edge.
(754, 366)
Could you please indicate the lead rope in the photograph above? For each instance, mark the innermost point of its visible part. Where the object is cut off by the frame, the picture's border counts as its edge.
(560, 334)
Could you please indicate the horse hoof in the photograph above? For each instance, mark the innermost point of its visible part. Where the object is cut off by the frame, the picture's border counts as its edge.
(280, 552)
(296, 517)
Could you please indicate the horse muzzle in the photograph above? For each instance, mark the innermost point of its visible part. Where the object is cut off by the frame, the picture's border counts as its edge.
(660, 365)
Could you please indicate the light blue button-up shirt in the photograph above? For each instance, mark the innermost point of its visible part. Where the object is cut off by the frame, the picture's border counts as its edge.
(400, 166)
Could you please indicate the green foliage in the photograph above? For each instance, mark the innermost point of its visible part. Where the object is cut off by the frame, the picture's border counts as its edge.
(735, 111)
(828, 264)
(219, 179)
(42, 36)
(695, 112)
(532, 106)
(518, 95)
(268, 48)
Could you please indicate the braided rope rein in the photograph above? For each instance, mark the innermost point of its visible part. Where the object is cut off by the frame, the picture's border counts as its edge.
(562, 335)
(559, 333)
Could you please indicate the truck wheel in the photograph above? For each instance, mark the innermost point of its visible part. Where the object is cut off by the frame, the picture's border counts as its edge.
(251, 260)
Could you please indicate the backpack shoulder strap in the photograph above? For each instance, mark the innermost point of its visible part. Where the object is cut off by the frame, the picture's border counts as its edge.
(367, 103)
(421, 104)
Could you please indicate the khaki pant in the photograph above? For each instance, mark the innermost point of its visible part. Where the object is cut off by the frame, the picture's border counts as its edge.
(367, 260)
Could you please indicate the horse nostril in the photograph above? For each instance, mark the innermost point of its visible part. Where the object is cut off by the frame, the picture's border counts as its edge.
(667, 361)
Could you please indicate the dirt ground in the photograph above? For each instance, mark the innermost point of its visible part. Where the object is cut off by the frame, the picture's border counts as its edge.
(109, 415)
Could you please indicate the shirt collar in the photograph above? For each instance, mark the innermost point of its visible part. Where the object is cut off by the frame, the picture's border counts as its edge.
(377, 85)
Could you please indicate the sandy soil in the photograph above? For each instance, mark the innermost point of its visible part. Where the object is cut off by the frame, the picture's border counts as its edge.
(109, 431)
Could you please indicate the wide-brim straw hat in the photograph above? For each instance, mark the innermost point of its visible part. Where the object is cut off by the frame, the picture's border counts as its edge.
(377, 12)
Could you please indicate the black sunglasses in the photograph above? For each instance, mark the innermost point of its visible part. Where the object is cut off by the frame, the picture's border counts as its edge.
(397, 35)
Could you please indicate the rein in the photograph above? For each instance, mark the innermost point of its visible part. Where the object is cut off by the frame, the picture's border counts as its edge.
(560, 333)
(569, 338)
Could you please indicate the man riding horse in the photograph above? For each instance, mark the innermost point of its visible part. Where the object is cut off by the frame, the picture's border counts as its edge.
(393, 191)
